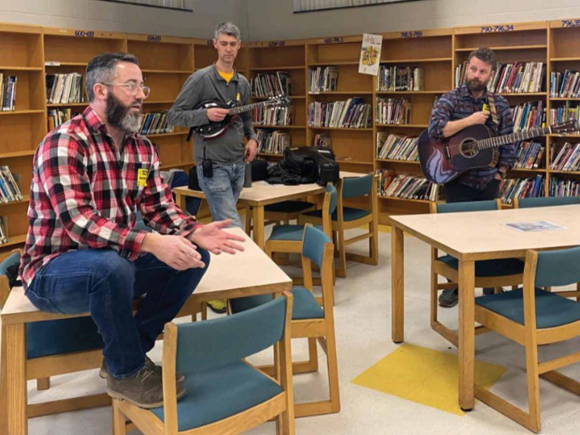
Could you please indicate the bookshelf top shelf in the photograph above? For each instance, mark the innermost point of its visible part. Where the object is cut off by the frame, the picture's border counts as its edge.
(501, 28)
(412, 92)
(564, 99)
(431, 59)
(403, 125)
(338, 63)
(67, 105)
(278, 68)
(512, 47)
(524, 94)
(20, 68)
(564, 59)
(17, 154)
(57, 63)
(21, 112)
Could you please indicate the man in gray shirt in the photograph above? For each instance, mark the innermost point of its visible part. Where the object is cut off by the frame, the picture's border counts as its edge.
(227, 153)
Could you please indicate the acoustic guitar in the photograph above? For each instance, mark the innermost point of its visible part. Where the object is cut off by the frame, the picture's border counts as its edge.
(473, 147)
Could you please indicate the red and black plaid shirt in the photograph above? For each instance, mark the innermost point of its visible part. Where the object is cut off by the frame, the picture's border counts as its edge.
(85, 194)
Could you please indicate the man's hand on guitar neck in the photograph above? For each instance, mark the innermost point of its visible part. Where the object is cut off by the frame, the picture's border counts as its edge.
(453, 127)
(217, 115)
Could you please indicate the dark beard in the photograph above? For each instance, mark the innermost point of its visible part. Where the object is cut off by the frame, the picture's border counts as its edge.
(475, 86)
(120, 116)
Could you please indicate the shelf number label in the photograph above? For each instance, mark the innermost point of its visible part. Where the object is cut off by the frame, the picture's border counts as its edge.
(335, 40)
(84, 34)
(411, 34)
(153, 38)
(497, 29)
(276, 43)
(570, 23)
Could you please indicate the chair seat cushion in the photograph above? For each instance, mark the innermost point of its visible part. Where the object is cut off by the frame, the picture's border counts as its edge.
(349, 213)
(289, 206)
(305, 306)
(290, 233)
(488, 268)
(551, 310)
(53, 337)
(216, 394)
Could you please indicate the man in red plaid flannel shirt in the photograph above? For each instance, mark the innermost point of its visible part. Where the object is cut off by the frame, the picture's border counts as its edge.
(92, 176)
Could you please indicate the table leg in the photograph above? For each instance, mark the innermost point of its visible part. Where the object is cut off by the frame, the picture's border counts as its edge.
(14, 393)
(397, 285)
(466, 334)
(258, 224)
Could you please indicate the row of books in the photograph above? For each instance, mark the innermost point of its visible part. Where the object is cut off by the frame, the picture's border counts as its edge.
(406, 186)
(58, 117)
(273, 142)
(8, 93)
(558, 187)
(567, 159)
(396, 78)
(3, 232)
(530, 155)
(353, 113)
(65, 88)
(272, 115)
(511, 78)
(564, 113)
(511, 188)
(322, 79)
(9, 190)
(155, 123)
(397, 147)
(528, 115)
(271, 85)
(322, 140)
(393, 111)
(566, 85)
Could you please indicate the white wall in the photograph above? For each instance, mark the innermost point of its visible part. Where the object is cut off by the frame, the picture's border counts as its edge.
(98, 15)
(274, 19)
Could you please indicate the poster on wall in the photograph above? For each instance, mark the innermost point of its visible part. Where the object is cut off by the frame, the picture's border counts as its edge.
(370, 54)
(322, 5)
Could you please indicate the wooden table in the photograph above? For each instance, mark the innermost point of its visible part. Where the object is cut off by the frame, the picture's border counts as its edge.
(261, 194)
(246, 273)
(470, 237)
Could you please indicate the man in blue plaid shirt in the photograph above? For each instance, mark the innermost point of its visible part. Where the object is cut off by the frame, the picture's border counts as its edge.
(465, 106)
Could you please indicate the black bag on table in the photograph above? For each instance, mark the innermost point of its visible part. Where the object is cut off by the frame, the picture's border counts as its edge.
(326, 168)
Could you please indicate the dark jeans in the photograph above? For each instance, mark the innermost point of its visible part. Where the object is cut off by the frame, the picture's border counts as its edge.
(103, 283)
(457, 192)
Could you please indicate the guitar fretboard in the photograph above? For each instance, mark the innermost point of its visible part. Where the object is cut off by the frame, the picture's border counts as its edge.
(498, 141)
(248, 107)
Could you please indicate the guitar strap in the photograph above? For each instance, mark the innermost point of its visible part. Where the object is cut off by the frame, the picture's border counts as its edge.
(493, 110)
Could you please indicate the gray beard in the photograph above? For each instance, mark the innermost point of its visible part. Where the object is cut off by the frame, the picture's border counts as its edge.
(131, 122)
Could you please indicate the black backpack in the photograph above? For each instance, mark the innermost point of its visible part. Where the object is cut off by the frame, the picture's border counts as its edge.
(326, 170)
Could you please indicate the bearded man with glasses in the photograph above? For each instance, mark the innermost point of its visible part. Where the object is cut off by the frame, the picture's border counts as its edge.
(92, 176)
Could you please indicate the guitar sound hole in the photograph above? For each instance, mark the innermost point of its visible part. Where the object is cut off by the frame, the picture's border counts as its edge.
(468, 148)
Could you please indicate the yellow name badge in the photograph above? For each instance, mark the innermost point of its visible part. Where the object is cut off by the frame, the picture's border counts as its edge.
(238, 96)
(142, 175)
(485, 107)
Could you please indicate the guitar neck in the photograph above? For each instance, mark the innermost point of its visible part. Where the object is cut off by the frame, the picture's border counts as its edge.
(247, 107)
(498, 141)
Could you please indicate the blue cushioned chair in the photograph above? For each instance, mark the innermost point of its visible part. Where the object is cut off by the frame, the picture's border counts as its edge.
(532, 317)
(225, 394)
(309, 319)
(488, 273)
(288, 238)
(55, 347)
(346, 218)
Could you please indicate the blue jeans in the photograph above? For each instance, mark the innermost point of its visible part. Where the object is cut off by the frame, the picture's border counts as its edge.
(223, 190)
(103, 283)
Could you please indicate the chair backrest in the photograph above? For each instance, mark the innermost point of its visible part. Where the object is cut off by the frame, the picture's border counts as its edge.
(11, 260)
(546, 201)
(460, 207)
(239, 336)
(357, 186)
(314, 244)
(557, 268)
(333, 198)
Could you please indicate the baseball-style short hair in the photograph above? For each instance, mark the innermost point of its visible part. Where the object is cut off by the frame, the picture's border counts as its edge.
(101, 69)
(227, 28)
(485, 55)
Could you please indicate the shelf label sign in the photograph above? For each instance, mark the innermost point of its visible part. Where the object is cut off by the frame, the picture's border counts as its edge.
(370, 54)
(154, 38)
(497, 29)
(570, 23)
(412, 34)
(334, 40)
(84, 34)
(276, 43)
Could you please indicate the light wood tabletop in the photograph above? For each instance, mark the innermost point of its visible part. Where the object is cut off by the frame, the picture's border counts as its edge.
(469, 237)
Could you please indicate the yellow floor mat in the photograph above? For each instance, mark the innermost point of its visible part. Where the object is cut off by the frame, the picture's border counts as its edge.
(424, 376)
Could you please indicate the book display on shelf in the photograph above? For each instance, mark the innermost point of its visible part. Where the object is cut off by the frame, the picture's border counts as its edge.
(393, 111)
(323, 79)
(3, 231)
(511, 78)
(273, 142)
(511, 188)
(8, 92)
(567, 112)
(561, 187)
(397, 147)
(66, 89)
(407, 187)
(155, 123)
(352, 113)
(529, 115)
(567, 159)
(56, 117)
(276, 116)
(565, 85)
(9, 190)
(395, 78)
(529, 155)
(271, 85)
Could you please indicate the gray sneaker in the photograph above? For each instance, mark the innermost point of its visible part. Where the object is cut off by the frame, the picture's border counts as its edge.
(144, 389)
(179, 377)
(448, 298)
